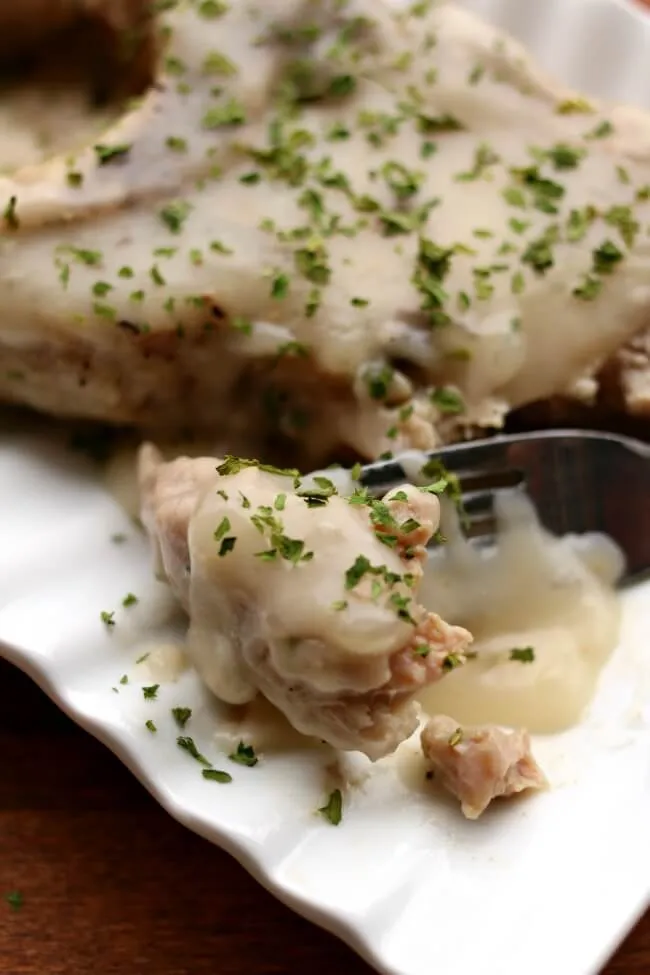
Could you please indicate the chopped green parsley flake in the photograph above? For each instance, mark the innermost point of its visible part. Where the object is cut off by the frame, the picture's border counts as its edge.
(220, 248)
(448, 400)
(181, 716)
(338, 132)
(233, 465)
(156, 275)
(107, 618)
(243, 325)
(216, 63)
(484, 157)
(379, 380)
(333, 808)
(101, 288)
(175, 214)
(432, 266)
(342, 85)
(579, 223)
(244, 755)
(539, 255)
(357, 571)
(110, 154)
(83, 256)
(515, 197)
(150, 726)
(216, 775)
(104, 311)
(227, 545)
(476, 74)
(311, 261)
(517, 283)
(565, 157)
(403, 182)
(422, 651)
(280, 286)
(432, 125)
(601, 131)
(545, 192)
(187, 745)
(524, 655)
(211, 9)
(150, 693)
(574, 106)
(176, 143)
(452, 661)
(606, 257)
(222, 530)
(623, 219)
(230, 113)
(589, 288)
(175, 66)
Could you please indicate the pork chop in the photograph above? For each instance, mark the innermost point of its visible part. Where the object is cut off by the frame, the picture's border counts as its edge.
(398, 210)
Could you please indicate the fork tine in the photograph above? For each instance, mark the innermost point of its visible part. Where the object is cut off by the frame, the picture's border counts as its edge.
(478, 464)
(484, 528)
(478, 504)
(578, 480)
(479, 454)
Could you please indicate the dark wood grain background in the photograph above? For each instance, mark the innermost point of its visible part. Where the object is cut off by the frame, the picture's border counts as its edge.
(113, 886)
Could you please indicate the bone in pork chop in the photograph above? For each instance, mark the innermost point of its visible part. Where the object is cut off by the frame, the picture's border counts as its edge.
(397, 210)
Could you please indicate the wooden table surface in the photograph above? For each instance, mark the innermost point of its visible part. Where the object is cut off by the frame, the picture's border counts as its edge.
(113, 886)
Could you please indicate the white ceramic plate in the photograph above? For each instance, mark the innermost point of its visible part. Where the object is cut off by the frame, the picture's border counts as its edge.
(537, 886)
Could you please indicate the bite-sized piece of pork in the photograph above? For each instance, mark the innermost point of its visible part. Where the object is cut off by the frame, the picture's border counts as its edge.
(308, 600)
(479, 764)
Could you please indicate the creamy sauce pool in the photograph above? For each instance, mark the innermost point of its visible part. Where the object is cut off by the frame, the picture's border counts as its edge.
(545, 617)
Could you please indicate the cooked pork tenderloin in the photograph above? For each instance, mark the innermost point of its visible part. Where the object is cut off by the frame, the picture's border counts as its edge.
(310, 601)
(398, 210)
(480, 764)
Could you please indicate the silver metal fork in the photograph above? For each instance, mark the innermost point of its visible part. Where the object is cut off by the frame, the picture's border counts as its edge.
(579, 481)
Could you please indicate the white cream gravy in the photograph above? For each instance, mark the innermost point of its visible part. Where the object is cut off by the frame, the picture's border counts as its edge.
(552, 598)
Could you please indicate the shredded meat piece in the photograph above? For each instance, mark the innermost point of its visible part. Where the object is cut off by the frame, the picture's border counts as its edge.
(481, 763)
